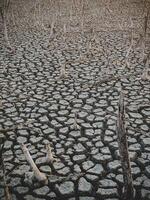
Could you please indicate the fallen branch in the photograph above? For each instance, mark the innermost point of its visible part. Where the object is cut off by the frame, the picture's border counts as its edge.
(41, 177)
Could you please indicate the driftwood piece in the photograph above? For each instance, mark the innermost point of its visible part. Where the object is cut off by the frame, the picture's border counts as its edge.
(128, 192)
(41, 177)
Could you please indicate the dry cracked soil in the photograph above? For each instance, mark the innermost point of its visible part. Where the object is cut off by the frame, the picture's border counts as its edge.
(63, 89)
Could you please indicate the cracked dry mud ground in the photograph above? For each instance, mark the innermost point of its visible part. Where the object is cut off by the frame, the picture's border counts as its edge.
(32, 91)
(88, 165)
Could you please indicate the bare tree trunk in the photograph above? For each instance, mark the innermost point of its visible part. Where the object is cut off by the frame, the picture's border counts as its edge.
(4, 11)
(52, 29)
(41, 177)
(6, 31)
(82, 17)
(145, 32)
(128, 192)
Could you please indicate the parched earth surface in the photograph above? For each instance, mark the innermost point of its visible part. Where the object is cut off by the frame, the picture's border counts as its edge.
(75, 113)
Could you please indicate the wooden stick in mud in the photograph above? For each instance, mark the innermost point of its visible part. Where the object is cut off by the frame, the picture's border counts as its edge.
(128, 192)
(7, 193)
(41, 177)
(49, 155)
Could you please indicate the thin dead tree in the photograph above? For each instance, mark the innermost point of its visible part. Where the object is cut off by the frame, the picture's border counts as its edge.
(145, 58)
(40, 15)
(146, 17)
(2, 166)
(4, 14)
(142, 39)
(146, 71)
(82, 16)
(6, 187)
(52, 27)
(131, 45)
(128, 192)
(71, 11)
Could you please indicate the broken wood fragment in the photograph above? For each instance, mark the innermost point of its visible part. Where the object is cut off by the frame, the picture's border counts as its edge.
(41, 177)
